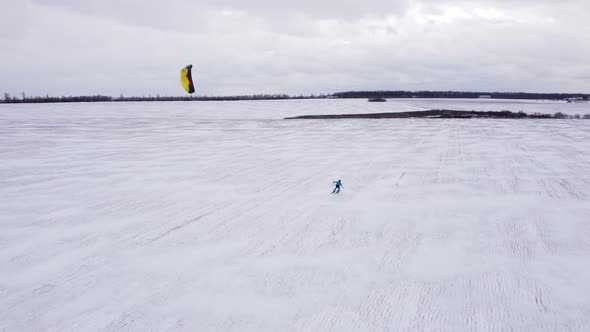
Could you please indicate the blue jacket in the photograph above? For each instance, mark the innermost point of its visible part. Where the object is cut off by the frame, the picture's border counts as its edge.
(338, 183)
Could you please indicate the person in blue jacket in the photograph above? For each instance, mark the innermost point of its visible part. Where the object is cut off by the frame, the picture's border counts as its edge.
(338, 186)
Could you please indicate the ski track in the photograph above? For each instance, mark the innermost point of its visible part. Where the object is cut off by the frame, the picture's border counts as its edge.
(219, 217)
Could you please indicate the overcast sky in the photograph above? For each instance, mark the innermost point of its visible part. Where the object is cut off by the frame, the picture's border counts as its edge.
(137, 47)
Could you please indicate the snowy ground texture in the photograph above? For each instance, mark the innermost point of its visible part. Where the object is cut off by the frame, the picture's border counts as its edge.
(218, 217)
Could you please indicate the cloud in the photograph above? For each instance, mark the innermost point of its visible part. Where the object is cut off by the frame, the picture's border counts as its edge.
(136, 47)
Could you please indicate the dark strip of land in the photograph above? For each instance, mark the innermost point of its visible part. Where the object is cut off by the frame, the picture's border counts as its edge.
(459, 94)
(436, 114)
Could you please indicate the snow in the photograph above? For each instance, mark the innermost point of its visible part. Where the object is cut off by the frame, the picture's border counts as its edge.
(218, 216)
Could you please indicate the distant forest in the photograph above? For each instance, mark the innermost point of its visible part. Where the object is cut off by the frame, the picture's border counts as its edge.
(23, 98)
(460, 94)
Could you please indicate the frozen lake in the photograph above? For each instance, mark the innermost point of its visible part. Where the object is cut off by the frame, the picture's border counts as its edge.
(217, 216)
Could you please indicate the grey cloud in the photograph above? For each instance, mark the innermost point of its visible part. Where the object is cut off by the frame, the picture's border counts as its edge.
(137, 47)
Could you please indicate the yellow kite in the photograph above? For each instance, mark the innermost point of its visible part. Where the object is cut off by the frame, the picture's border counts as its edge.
(186, 79)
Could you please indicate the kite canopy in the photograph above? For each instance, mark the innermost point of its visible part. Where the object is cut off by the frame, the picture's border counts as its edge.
(186, 79)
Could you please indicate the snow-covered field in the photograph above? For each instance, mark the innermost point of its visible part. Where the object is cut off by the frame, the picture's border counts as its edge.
(218, 217)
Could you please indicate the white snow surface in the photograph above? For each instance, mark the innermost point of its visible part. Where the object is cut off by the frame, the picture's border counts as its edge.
(217, 216)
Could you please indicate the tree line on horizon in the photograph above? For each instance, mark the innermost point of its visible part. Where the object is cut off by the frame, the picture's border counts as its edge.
(460, 94)
(23, 98)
